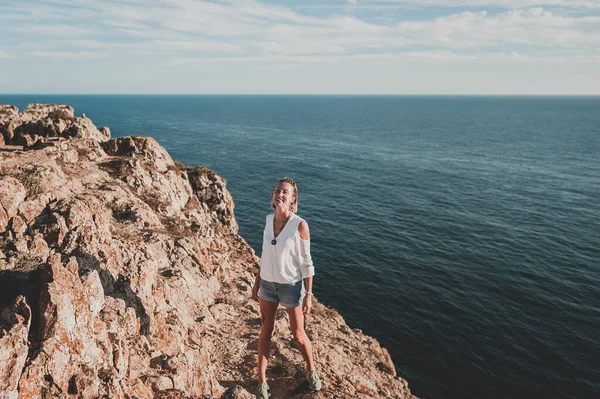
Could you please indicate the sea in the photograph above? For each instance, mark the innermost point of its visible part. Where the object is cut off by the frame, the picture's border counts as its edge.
(463, 232)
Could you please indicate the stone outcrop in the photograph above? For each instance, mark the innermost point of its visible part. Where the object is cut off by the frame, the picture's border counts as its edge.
(39, 122)
(15, 321)
(122, 275)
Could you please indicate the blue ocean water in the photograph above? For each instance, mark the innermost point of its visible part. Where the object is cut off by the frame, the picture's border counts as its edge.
(462, 232)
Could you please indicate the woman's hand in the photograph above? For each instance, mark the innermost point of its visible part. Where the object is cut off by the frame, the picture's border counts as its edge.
(307, 304)
(255, 288)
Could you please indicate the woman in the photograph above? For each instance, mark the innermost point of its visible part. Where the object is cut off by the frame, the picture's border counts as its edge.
(285, 276)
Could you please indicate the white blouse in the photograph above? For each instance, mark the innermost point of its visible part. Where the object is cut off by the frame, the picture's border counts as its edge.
(288, 260)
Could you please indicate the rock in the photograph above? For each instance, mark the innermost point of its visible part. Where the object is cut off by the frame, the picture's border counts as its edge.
(40, 122)
(12, 194)
(104, 133)
(9, 114)
(84, 128)
(151, 174)
(364, 386)
(38, 248)
(39, 112)
(68, 318)
(146, 148)
(237, 392)
(18, 226)
(162, 383)
(31, 208)
(133, 280)
(8, 131)
(15, 321)
(211, 190)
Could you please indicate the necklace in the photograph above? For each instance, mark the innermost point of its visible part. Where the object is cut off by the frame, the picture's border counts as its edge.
(274, 240)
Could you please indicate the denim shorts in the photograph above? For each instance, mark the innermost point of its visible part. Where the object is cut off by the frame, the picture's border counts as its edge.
(289, 295)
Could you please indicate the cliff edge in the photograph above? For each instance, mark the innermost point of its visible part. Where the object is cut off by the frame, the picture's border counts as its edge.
(122, 275)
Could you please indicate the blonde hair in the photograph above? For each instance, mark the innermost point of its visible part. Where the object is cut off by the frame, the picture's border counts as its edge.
(293, 205)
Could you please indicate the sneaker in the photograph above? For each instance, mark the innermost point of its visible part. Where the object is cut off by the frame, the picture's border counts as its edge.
(263, 391)
(314, 383)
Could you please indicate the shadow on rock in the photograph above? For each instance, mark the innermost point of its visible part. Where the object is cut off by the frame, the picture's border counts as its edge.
(119, 288)
(26, 279)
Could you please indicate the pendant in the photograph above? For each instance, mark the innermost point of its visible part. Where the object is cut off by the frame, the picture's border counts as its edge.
(273, 241)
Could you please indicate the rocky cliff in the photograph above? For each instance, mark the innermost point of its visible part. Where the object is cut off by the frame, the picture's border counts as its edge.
(122, 276)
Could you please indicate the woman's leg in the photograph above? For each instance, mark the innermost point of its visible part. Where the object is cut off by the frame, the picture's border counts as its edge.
(297, 327)
(268, 311)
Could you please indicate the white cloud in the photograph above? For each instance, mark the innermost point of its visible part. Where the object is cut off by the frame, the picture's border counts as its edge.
(351, 24)
(68, 55)
(276, 29)
(533, 27)
(590, 4)
(6, 56)
(195, 45)
(53, 30)
(434, 56)
(257, 10)
(250, 26)
(96, 44)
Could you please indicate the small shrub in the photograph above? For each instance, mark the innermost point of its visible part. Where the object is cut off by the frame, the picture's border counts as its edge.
(60, 114)
(178, 167)
(30, 181)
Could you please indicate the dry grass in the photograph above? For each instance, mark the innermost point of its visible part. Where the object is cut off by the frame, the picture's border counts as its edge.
(173, 228)
(118, 168)
(121, 213)
(58, 114)
(125, 233)
(29, 180)
(178, 167)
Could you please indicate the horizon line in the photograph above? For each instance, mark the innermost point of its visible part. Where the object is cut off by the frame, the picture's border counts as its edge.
(316, 94)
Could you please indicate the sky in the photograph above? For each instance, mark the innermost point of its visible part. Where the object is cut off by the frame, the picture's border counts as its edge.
(300, 47)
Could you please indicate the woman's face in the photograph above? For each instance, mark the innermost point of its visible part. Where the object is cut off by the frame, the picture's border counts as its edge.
(283, 196)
